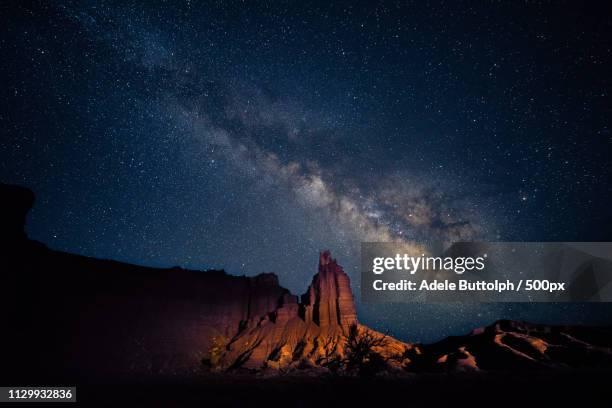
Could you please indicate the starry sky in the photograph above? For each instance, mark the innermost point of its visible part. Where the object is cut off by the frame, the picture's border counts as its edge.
(248, 136)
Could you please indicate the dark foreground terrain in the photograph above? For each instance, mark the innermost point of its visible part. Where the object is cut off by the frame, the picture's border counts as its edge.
(570, 388)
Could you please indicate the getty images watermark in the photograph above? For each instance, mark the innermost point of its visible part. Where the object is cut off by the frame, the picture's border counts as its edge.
(487, 272)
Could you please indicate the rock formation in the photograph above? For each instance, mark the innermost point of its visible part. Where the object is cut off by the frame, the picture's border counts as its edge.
(121, 320)
(512, 345)
(329, 300)
(67, 316)
(312, 333)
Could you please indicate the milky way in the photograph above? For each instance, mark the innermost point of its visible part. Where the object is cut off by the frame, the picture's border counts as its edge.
(251, 137)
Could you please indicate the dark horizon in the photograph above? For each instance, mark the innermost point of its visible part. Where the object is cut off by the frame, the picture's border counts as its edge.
(601, 317)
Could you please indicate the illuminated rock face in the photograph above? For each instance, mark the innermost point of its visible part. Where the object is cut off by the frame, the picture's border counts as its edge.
(308, 333)
(329, 300)
(312, 334)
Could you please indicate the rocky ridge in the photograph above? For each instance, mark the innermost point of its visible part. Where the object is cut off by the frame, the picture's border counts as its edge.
(107, 319)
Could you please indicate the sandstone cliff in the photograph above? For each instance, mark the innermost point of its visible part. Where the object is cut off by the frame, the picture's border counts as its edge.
(67, 316)
(313, 333)
(111, 318)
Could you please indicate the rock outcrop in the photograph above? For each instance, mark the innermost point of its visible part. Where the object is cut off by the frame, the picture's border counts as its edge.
(312, 333)
(329, 300)
(115, 319)
(67, 316)
(512, 345)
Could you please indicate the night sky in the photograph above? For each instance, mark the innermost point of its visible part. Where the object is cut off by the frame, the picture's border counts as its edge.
(248, 136)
